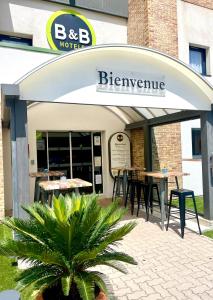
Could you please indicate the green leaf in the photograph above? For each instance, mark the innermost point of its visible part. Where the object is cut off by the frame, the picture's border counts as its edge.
(66, 284)
(85, 286)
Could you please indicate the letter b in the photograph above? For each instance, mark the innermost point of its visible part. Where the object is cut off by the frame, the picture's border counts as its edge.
(60, 33)
(103, 77)
(84, 36)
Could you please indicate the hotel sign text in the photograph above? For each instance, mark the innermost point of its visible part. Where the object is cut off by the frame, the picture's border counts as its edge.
(130, 83)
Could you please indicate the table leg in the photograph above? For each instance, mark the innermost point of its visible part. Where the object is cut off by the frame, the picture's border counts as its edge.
(77, 191)
(117, 189)
(177, 183)
(124, 185)
(37, 190)
(166, 196)
(162, 200)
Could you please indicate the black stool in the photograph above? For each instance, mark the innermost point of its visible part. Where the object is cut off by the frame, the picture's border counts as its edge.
(151, 202)
(182, 194)
(132, 189)
(148, 197)
(117, 187)
(142, 188)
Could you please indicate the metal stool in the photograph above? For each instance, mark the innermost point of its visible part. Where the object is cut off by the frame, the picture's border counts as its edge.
(117, 187)
(142, 188)
(132, 189)
(151, 202)
(182, 194)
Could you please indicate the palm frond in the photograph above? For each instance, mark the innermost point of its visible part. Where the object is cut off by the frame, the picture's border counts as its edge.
(36, 275)
(85, 286)
(66, 282)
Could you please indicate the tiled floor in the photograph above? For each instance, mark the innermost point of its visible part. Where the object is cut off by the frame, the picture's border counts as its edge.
(169, 267)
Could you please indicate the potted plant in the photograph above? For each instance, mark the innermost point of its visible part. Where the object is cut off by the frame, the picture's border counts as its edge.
(64, 242)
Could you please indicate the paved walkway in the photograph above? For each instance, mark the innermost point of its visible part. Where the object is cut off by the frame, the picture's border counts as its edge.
(169, 267)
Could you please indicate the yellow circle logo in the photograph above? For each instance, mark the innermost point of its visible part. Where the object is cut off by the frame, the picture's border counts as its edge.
(68, 30)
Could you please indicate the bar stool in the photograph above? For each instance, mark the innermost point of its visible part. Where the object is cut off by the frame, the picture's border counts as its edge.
(151, 201)
(182, 194)
(142, 200)
(132, 189)
(117, 186)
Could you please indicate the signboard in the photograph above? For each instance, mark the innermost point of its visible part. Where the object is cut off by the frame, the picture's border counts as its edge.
(128, 82)
(68, 30)
(119, 151)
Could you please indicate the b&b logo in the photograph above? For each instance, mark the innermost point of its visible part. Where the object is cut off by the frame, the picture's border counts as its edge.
(68, 30)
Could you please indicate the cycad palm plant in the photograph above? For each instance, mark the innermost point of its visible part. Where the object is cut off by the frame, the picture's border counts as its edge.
(64, 242)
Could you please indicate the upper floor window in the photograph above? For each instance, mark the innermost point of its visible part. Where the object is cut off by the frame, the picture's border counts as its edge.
(15, 40)
(196, 142)
(197, 59)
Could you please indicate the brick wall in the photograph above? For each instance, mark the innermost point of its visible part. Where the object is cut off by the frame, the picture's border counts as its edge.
(166, 147)
(137, 143)
(203, 3)
(153, 24)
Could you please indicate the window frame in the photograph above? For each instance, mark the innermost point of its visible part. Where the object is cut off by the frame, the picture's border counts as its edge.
(203, 52)
(193, 130)
(15, 39)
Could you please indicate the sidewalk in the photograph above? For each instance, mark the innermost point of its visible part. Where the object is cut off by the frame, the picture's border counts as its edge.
(169, 267)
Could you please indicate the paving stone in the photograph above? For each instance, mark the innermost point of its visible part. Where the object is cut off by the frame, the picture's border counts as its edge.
(169, 268)
(137, 295)
(153, 297)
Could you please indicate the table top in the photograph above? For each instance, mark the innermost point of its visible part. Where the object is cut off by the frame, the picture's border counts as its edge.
(47, 174)
(126, 169)
(164, 175)
(52, 185)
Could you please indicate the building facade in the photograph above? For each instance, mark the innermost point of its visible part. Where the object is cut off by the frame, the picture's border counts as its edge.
(75, 138)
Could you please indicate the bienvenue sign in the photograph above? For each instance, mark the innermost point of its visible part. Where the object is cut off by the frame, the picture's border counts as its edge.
(127, 82)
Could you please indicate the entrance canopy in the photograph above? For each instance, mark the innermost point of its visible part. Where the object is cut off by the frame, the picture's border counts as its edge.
(135, 83)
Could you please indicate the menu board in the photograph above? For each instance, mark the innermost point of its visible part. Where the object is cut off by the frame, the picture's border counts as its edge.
(119, 151)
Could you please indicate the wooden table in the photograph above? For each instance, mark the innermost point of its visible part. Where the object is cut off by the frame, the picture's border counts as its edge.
(52, 186)
(124, 171)
(164, 187)
(46, 174)
(38, 176)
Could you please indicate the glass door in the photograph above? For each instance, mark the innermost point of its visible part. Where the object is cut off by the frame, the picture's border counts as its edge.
(82, 163)
(59, 152)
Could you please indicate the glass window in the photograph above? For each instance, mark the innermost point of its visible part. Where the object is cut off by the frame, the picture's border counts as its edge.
(15, 40)
(197, 59)
(77, 154)
(196, 142)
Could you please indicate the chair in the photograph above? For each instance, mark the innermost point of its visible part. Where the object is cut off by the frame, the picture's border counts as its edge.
(182, 194)
(10, 295)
